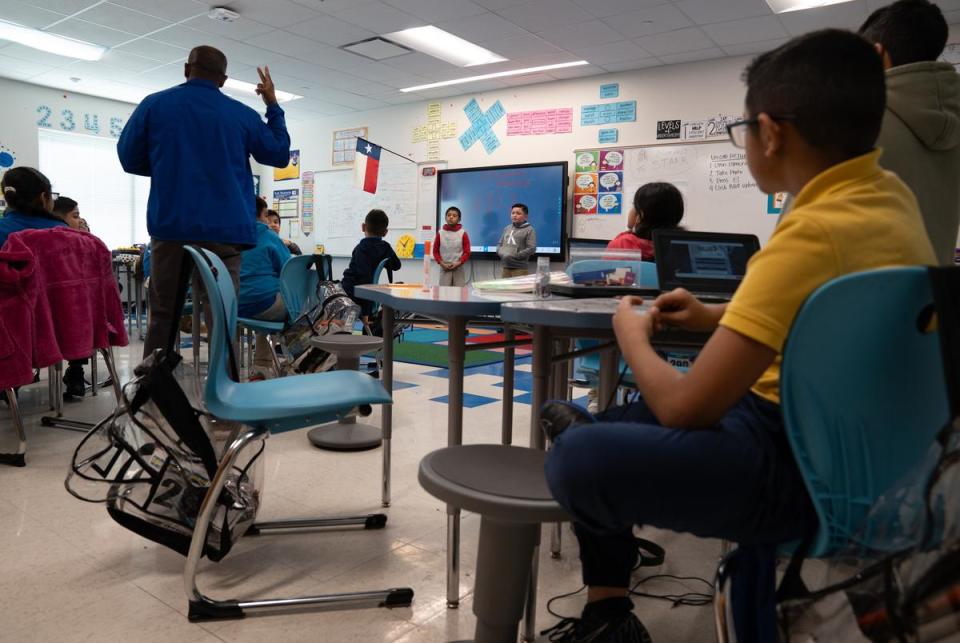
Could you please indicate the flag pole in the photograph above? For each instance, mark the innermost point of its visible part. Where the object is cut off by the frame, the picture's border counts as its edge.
(385, 149)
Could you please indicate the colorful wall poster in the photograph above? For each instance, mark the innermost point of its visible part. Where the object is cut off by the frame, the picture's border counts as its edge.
(611, 160)
(611, 135)
(287, 203)
(585, 204)
(603, 113)
(585, 183)
(306, 213)
(587, 161)
(434, 130)
(345, 144)
(292, 171)
(611, 181)
(610, 90)
(609, 203)
(775, 202)
(481, 126)
(540, 121)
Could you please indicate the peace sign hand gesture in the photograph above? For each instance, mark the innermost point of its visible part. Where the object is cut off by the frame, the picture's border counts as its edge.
(265, 87)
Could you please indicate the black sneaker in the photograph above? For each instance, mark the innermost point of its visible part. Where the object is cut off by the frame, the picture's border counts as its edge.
(624, 629)
(74, 384)
(557, 416)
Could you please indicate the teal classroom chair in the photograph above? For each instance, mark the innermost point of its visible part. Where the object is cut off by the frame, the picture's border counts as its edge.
(864, 418)
(264, 407)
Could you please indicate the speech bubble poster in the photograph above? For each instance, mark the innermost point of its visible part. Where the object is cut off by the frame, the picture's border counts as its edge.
(611, 160)
(610, 203)
(585, 204)
(611, 181)
(587, 161)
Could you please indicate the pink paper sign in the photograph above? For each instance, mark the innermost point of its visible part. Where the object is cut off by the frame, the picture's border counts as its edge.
(540, 121)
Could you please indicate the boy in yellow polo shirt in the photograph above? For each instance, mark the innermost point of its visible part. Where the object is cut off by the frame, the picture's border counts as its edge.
(705, 451)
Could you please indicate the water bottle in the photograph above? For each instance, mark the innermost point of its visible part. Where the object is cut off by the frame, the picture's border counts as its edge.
(542, 284)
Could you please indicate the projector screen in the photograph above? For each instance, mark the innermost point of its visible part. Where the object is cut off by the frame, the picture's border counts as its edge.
(485, 195)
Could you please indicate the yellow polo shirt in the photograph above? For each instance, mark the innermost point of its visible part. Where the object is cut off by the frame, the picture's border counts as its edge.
(851, 217)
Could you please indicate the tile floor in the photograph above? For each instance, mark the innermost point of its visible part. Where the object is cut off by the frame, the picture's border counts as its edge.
(69, 573)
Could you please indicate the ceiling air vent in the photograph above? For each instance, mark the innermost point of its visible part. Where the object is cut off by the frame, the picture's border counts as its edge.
(376, 49)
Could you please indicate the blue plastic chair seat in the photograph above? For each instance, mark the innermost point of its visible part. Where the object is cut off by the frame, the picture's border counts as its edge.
(260, 325)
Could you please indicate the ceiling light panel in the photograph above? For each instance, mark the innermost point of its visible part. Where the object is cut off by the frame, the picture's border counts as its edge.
(785, 6)
(51, 43)
(248, 89)
(441, 44)
(499, 74)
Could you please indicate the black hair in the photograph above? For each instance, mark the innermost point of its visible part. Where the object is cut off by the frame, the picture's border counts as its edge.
(659, 205)
(23, 190)
(828, 84)
(522, 206)
(63, 205)
(910, 31)
(455, 209)
(207, 62)
(377, 222)
(261, 204)
(273, 213)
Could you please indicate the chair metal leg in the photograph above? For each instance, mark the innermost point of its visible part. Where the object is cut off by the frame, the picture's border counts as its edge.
(530, 605)
(60, 422)
(722, 615)
(93, 374)
(195, 332)
(556, 539)
(453, 557)
(386, 411)
(17, 459)
(204, 608)
(273, 354)
(58, 388)
(51, 393)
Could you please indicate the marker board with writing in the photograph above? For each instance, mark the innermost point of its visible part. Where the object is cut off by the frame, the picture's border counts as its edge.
(718, 192)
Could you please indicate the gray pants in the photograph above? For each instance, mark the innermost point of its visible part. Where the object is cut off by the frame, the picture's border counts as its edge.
(165, 260)
(277, 311)
(514, 272)
(455, 277)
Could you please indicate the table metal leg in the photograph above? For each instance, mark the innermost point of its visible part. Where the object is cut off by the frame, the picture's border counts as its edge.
(456, 350)
(130, 297)
(541, 382)
(506, 421)
(386, 375)
(609, 360)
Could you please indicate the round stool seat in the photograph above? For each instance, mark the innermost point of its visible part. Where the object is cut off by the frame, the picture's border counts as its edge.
(344, 345)
(505, 483)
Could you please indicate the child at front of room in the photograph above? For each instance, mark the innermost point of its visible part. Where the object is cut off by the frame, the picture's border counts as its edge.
(368, 254)
(451, 250)
(655, 206)
(705, 452)
(518, 242)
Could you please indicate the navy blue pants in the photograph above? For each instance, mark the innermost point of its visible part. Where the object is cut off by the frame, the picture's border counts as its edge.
(737, 481)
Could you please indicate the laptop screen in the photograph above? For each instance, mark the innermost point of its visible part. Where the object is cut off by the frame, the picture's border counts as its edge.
(709, 262)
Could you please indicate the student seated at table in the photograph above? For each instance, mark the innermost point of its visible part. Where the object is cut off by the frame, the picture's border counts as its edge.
(655, 206)
(367, 255)
(705, 452)
(260, 297)
(273, 220)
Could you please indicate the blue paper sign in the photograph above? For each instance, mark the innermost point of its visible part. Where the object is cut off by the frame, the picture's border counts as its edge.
(609, 135)
(603, 113)
(610, 90)
(481, 128)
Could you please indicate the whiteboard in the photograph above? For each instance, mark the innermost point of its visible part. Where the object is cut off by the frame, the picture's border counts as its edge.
(340, 206)
(719, 194)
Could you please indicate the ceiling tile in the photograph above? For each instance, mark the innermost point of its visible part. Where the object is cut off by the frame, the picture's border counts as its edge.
(707, 11)
(276, 13)
(283, 42)
(434, 11)
(178, 36)
(543, 14)
(849, 15)
(240, 29)
(27, 15)
(21, 52)
(595, 32)
(612, 53)
(496, 5)
(691, 56)
(388, 75)
(747, 30)
(20, 69)
(645, 22)
(330, 30)
(114, 17)
(311, 71)
(90, 32)
(521, 47)
(99, 71)
(643, 63)
(576, 72)
(428, 66)
(379, 18)
(753, 47)
(239, 52)
(349, 99)
(66, 7)
(606, 8)
(332, 6)
(158, 51)
(118, 59)
(339, 59)
(528, 79)
(675, 42)
(483, 28)
(173, 10)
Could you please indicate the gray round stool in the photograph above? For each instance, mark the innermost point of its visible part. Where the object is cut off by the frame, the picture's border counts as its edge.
(347, 434)
(507, 487)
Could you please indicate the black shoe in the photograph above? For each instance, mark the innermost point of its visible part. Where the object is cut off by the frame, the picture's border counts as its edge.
(74, 384)
(625, 628)
(557, 416)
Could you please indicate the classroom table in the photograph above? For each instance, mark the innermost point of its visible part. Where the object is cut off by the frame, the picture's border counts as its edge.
(455, 307)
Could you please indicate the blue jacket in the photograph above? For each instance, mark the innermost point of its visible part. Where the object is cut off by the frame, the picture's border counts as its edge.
(260, 268)
(195, 142)
(16, 221)
(366, 257)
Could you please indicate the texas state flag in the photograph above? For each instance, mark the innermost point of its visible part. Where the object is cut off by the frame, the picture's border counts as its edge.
(366, 166)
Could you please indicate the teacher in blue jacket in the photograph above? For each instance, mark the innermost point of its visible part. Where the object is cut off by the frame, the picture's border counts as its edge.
(195, 143)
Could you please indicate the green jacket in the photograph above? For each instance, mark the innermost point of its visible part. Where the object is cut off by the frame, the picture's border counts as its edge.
(920, 138)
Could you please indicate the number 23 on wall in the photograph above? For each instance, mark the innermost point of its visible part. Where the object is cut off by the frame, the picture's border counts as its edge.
(68, 122)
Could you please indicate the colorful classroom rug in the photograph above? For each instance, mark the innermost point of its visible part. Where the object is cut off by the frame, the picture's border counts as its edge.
(426, 344)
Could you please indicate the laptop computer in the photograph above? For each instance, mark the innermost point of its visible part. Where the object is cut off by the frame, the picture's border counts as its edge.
(710, 265)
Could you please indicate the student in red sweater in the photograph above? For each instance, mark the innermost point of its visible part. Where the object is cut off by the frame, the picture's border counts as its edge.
(655, 205)
(451, 249)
